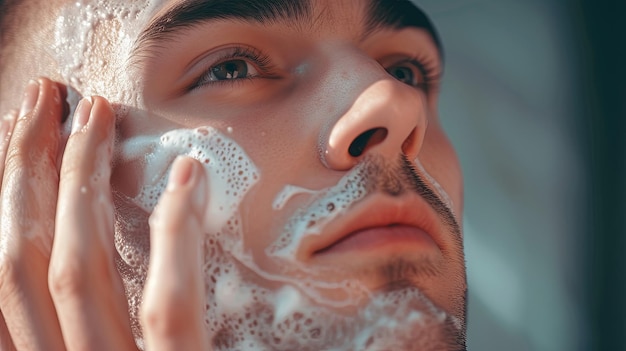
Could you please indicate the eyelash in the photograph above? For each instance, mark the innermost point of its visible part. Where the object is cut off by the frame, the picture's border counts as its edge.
(258, 59)
(262, 63)
(427, 68)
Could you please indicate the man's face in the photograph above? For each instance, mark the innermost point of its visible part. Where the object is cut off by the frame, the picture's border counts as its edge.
(335, 195)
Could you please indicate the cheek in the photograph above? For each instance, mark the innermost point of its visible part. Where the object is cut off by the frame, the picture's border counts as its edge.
(135, 131)
(440, 160)
(149, 144)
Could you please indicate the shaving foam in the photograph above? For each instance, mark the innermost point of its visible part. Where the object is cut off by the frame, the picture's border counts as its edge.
(332, 202)
(250, 308)
(95, 39)
(230, 171)
(328, 204)
(242, 311)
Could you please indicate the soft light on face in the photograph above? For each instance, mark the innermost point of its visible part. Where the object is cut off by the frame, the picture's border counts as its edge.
(280, 177)
(307, 311)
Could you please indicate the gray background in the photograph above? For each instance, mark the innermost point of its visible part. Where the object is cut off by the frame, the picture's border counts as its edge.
(509, 93)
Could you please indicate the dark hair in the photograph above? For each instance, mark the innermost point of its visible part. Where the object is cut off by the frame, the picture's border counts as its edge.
(5, 8)
(6, 33)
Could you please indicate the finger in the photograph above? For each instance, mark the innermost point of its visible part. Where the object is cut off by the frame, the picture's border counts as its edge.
(6, 344)
(29, 177)
(172, 313)
(86, 289)
(27, 207)
(6, 130)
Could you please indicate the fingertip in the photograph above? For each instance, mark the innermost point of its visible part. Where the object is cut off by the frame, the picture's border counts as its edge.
(102, 104)
(93, 110)
(103, 109)
(188, 172)
(31, 95)
(184, 200)
(174, 289)
(48, 99)
(49, 88)
(183, 171)
(82, 114)
(43, 81)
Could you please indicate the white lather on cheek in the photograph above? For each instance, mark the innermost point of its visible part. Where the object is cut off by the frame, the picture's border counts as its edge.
(230, 173)
(252, 317)
(326, 205)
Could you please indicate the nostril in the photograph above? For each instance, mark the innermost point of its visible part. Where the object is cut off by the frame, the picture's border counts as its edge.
(366, 140)
(409, 144)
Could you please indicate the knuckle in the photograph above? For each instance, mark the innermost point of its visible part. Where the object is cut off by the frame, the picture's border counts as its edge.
(71, 169)
(67, 279)
(168, 315)
(16, 158)
(23, 153)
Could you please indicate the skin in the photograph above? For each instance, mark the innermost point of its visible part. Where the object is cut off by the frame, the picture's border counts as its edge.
(61, 290)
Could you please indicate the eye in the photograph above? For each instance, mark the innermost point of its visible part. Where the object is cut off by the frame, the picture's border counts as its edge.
(229, 70)
(407, 73)
(233, 65)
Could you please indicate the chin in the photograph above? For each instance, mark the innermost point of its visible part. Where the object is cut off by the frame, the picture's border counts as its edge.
(252, 308)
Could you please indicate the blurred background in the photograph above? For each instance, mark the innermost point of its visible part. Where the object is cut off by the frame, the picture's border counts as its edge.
(533, 99)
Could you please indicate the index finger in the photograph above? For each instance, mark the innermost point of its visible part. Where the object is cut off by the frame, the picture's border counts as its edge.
(173, 307)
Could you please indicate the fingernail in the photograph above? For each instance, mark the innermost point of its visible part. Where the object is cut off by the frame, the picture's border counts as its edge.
(81, 116)
(31, 94)
(182, 172)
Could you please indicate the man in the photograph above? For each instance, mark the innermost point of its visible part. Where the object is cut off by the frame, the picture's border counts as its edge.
(279, 164)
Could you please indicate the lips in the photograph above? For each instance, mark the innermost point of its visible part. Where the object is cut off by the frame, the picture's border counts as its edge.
(380, 222)
(380, 238)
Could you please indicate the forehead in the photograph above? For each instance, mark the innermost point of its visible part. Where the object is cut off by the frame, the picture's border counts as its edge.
(362, 16)
(109, 35)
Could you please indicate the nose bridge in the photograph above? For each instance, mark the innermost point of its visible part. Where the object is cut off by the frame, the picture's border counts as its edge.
(381, 116)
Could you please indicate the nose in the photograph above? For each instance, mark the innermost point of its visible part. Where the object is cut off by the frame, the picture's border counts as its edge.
(387, 118)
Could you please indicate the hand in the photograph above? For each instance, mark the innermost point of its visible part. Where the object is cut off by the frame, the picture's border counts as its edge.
(59, 289)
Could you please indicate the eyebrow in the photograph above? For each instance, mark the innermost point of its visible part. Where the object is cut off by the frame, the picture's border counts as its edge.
(394, 14)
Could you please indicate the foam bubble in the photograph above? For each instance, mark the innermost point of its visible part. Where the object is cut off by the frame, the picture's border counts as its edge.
(329, 203)
(84, 29)
(231, 174)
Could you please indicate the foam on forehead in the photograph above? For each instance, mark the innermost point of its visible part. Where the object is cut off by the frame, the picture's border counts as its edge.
(92, 43)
